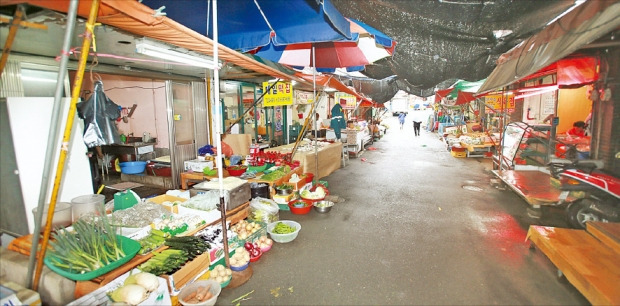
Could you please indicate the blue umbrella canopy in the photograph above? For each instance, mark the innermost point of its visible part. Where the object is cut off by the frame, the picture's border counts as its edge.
(246, 25)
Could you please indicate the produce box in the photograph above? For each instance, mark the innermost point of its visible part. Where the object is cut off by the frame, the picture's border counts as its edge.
(160, 296)
(190, 271)
(161, 199)
(237, 242)
(458, 154)
(300, 184)
(197, 165)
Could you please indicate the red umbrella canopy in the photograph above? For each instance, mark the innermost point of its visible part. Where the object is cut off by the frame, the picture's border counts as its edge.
(464, 97)
(440, 94)
(368, 46)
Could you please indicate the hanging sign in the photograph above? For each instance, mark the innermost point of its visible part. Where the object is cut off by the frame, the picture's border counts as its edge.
(347, 101)
(280, 94)
(303, 97)
(495, 101)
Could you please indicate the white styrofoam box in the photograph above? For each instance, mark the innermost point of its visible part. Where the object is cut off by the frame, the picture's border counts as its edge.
(160, 296)
(197, 165)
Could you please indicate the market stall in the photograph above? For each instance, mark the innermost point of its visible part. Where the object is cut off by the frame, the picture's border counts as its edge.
(329, 156)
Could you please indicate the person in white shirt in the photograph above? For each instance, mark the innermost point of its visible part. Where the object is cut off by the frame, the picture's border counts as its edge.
(320, 128)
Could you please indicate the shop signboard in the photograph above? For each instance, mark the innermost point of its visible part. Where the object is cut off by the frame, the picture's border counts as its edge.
(280, 94)
(347, 101)
(303, 97)
(496, 101)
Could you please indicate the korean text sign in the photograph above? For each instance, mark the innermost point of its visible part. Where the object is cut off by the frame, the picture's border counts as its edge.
(280, 94)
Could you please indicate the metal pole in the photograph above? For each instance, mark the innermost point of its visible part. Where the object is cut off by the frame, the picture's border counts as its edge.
(316, 150)
(218, 138)
(52, 136)
(77, 86)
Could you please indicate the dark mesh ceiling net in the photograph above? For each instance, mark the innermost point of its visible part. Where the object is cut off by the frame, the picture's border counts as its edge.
(440, 41)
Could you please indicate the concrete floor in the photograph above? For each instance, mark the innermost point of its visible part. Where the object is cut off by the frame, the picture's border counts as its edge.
(410, 233)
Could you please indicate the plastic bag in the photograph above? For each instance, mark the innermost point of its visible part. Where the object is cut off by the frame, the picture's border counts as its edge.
(264, 210)
(99, 113)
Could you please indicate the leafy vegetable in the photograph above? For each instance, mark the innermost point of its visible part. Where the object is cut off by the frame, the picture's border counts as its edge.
(283, 228)
(88, 247)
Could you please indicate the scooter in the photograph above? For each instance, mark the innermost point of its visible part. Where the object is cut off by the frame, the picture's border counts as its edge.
(599, 192)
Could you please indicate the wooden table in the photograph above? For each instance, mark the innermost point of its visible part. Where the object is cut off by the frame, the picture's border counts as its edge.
(329, 158)
(587, 258)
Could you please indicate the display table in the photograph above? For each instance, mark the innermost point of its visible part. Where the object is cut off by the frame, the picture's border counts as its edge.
(329, 158)
(481, 150)
(200, 177)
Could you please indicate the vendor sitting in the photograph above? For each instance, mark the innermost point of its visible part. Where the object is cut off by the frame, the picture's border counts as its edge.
(320, 128)
(578, 129)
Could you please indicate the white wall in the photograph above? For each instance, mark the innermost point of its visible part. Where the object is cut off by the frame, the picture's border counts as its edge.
(30, 124)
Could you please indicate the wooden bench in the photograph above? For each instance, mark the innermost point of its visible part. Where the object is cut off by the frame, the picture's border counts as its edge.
(589, 259)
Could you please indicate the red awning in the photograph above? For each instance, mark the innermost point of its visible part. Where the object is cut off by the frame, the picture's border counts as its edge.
(577, 71)
(440, 94)
(571, 71)
(331, 82)
(464, 97)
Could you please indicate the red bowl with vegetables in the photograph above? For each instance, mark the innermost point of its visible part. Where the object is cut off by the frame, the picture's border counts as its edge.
(236, 170)
(300, 207)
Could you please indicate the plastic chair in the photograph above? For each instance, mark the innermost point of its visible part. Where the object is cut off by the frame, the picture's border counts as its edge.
(345, 154)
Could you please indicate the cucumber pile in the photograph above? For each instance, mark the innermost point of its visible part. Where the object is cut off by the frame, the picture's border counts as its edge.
(180, 251)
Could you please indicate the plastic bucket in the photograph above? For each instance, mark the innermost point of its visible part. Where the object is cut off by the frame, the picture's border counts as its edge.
(63, 216)
(87, 204)
(260, 190)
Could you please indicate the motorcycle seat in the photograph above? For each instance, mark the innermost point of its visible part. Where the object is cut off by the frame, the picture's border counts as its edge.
(590, 164)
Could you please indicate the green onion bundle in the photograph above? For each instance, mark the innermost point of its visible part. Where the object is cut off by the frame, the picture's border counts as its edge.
(88, 247)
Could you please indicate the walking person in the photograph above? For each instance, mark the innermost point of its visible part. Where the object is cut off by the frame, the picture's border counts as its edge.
(416, 127)
(401, 119)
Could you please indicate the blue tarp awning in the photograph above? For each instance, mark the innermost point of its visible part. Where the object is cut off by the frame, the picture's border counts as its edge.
(241, 25)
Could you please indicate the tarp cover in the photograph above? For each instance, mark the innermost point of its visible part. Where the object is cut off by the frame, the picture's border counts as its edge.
(445, 40)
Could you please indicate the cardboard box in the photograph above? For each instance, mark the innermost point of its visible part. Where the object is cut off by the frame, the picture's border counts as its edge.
(197, 165)
(167, 201)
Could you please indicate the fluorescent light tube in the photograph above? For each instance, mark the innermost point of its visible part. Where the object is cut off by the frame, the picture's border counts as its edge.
(166, 53)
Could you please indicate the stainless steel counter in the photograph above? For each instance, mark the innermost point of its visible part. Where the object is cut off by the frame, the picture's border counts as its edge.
(134, 148)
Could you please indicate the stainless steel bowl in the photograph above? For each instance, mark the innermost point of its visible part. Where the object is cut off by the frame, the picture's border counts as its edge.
(323, 206)
(284, 192)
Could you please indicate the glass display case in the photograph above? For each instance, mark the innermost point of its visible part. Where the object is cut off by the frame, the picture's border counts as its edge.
(523, 144)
